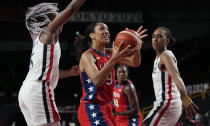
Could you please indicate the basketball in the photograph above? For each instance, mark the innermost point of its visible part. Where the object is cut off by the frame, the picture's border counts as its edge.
(128, 37)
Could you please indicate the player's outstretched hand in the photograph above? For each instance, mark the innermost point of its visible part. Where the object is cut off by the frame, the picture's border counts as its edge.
(189, 106)
(141, 32)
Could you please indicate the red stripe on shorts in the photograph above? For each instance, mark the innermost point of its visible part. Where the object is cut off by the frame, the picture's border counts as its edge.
(55, 114)
(168, 103)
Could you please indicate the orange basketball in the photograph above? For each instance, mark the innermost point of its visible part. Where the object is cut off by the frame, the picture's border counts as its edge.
(128, 37)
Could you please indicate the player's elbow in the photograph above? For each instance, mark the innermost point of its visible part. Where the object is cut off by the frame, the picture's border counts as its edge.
(136, 63)
(135, 111)
(137, 60)
(133, 64)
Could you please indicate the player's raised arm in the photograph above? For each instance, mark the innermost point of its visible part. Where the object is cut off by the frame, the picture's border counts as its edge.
(64, 16)
(49, 35)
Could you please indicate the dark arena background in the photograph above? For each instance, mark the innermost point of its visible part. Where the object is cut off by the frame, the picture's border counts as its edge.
(189, 22)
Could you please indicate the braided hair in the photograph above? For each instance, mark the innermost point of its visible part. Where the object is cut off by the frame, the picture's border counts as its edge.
(38, 17)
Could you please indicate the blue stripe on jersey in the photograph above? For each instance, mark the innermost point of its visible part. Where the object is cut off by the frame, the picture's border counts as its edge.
(127, 102)
(44, 96)
(95, 115)
(148, 120)
(89, 87)
(163, 85)
(104, 55)
(133, 120)
(44, 61)
(31, 62)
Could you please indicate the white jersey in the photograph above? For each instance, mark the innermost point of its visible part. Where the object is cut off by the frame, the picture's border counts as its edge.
(164, 86)
(44, 63)
(167, 108)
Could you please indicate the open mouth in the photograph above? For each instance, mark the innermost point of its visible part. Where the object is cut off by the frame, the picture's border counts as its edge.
(107, 37)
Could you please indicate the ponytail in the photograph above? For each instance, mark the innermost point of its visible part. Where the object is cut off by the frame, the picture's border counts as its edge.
(83, 42)
(172, 40)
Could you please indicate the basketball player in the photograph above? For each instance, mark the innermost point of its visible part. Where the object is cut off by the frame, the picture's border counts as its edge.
(170, 92)
(126, 105)
(36, 96)
(98, 73)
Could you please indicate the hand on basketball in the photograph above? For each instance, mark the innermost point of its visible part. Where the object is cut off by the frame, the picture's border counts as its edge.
(141, 32)
(119, 53)
(189, 106)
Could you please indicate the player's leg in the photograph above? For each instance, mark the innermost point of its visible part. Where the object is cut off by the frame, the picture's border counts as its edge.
(22, 97)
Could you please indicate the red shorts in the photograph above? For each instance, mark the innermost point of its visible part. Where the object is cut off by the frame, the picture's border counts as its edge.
(129, 121)
(90, 114)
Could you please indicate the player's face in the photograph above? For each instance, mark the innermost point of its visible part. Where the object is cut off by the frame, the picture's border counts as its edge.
(159, 40)
(101, 33)
(122, 74)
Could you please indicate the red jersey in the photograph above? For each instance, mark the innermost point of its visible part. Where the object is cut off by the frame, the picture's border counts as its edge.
(95, 108)
(103, 93)
(120, 99)
(121, 104)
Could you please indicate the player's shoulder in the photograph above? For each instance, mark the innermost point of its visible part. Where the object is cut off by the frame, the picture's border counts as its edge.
(85, 59)
(168, 52)
(129, 82)
(86, 53)
(129, 85)
(167, 55)
(86, 56)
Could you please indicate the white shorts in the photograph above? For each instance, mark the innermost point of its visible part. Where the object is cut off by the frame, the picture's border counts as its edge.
(50, 124)
(36, 101)
(164, 113)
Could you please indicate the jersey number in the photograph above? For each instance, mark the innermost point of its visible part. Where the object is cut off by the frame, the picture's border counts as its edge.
(116, 103)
